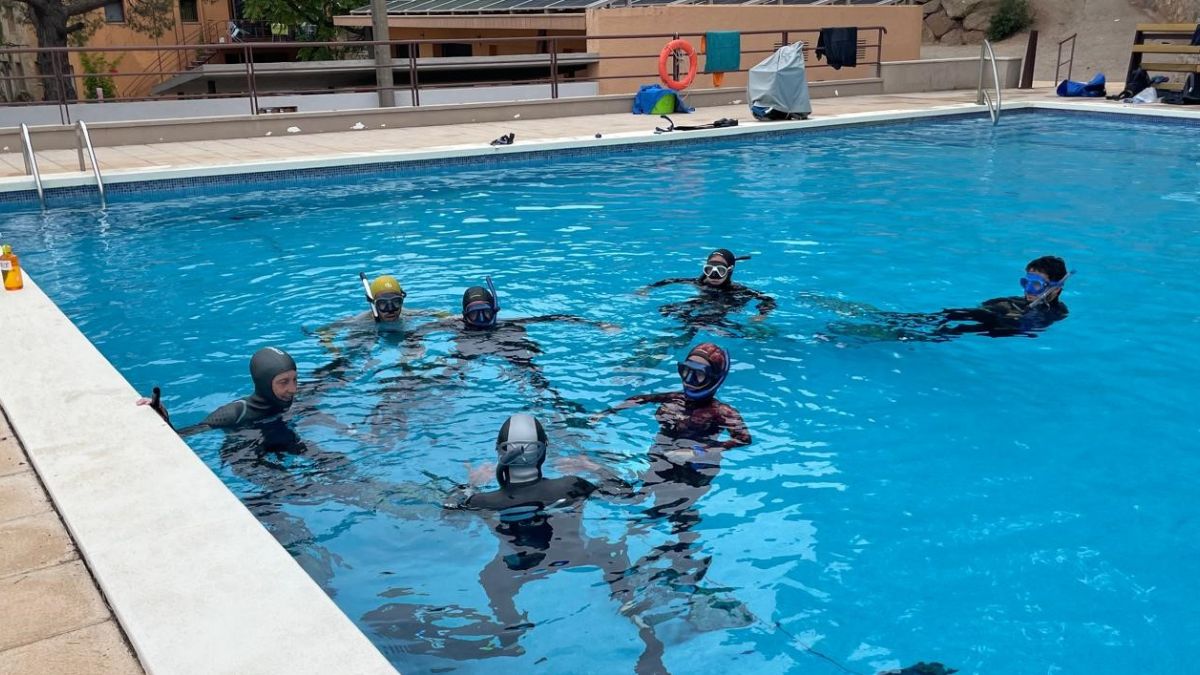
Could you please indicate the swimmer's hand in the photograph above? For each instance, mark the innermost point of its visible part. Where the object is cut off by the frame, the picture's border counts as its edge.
(758, 318)
(458, 497)
(155, 403)
(577, 464)
(481, 475)
(609, 328)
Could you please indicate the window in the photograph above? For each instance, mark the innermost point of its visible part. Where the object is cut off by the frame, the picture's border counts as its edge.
(114, 12)
(188, 12)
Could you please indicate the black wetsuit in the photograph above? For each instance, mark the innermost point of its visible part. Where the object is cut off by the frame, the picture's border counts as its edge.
(998, 317)
(539, 525)
(712, 307)
(507, 340)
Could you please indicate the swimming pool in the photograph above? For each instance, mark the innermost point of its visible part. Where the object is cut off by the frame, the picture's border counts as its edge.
(1005, 505)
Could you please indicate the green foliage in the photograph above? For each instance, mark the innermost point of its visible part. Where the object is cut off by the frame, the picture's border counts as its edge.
(309, 20)
(96, 67)
(1011, 17)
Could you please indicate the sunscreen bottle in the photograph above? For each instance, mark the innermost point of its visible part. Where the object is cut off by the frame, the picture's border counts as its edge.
(10, 269)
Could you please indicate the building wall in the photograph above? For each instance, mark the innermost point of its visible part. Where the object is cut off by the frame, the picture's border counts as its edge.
(15, 31)
(212, 26)
(506, 48)
(901, 43)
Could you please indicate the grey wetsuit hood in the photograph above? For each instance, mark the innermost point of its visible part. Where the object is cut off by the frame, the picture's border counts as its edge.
(265, 365)
(520, 450)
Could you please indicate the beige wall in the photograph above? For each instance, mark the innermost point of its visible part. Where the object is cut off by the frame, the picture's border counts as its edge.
(902, 41)
(213, 15)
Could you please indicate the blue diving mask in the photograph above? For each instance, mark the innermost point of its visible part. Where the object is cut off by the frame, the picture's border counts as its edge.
(1034, 284)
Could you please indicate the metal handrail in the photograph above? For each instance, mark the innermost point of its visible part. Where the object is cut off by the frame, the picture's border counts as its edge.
(981, 95)
(1069, 63)
(31, 166)
(84, 140)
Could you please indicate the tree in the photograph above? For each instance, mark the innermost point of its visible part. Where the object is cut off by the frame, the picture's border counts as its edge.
(316, 16)
(54, 21)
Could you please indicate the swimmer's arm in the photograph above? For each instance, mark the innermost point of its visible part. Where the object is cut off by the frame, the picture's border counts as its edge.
(766, 304)
(732, 420)
(666, 282)
(435, 313)
(568, 318)
(632, 401)
(328, 333)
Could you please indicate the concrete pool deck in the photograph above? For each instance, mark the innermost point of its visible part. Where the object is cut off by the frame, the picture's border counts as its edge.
(119, 163)
(177, 615)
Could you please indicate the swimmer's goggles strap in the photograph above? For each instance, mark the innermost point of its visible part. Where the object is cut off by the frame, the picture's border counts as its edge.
(1059, 284)
(370, 298)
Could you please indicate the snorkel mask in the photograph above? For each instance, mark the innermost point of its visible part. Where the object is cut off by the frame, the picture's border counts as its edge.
(480, 306)
(703, 371)
(1033, 284)
(385, 295)
(719, 265)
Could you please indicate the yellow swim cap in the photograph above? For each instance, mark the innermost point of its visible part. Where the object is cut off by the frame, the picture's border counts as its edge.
(385, 285)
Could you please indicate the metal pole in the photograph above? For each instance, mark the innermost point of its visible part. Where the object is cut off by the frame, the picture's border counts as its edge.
(383, 54)
(413, 50)
(554, 68)
(1030, 58)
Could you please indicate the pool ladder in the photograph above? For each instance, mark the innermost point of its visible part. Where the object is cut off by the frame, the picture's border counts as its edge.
(982, 97)
(83, 141)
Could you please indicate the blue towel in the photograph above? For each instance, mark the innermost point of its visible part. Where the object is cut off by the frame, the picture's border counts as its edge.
(722, 52)
(648, 96)
(1092, 89)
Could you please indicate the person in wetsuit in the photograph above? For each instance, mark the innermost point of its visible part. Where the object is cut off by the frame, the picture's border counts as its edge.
(479, 333)
(262, 448)
(1039, 306)
(386, 315)
(538, 521)
(686, 457)
(719, 296)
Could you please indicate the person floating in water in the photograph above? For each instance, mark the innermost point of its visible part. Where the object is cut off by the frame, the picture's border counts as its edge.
(1039, 306)
(385, 315)
(539, 523)
(262, 447)
(719, 295)
(684, 460)
(479, 332)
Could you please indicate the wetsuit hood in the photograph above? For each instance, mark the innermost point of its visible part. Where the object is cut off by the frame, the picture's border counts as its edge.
(726, 256)
(479, 307)
(265, 365)
(520, 450)
(718, 369)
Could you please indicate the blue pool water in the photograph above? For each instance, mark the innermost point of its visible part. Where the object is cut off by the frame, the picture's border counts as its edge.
(999, 505)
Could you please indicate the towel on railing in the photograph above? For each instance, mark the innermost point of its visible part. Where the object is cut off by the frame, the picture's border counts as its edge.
(839, 46)
(722, 51)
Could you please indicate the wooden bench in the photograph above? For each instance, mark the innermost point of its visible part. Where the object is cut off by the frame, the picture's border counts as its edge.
(1150, 39)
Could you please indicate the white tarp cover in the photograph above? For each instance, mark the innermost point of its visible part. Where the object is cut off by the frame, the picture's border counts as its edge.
(780, 81)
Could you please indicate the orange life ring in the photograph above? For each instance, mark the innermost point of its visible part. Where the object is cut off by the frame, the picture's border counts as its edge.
(693, 64)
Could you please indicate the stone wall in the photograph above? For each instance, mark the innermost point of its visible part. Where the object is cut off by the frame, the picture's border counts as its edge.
(956, 22)
(1181, 11)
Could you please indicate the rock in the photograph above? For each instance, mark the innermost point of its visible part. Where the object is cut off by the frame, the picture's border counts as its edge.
(973, 37)
(979, 19)
(954, 37)
(957, 9)
(940, 24)
(927, 36)
(931, 7)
